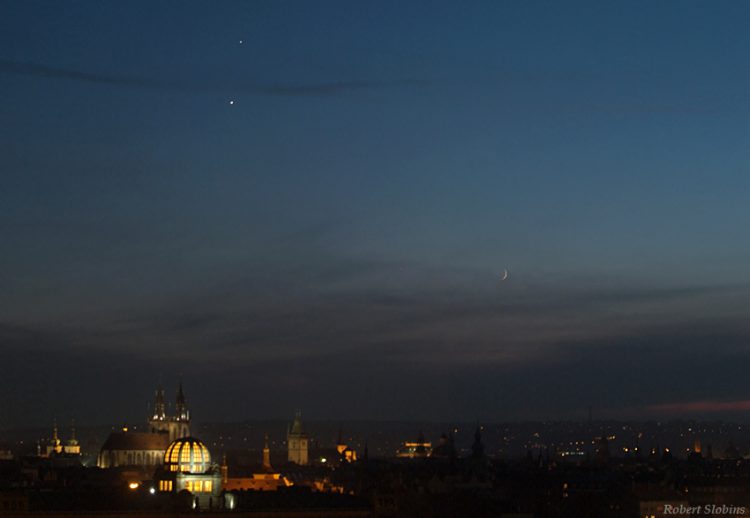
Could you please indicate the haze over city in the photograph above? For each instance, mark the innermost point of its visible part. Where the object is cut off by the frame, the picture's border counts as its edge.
(436, 211)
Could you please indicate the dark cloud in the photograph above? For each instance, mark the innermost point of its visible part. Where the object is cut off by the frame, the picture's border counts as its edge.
(49, 72)
(379, 353)
(339, 309)
(622, 376)
(323, 89)
(48, 374)
(700, 407)
(330, 88)
(632, 374)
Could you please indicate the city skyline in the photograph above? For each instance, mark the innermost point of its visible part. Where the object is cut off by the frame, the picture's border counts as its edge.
(492, 211)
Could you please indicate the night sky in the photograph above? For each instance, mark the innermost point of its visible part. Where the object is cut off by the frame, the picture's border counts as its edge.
(311, 205)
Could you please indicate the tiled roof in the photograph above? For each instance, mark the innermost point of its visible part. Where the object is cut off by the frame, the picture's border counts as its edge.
(136, 441)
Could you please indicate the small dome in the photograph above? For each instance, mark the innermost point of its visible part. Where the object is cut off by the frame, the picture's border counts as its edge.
(188, 455)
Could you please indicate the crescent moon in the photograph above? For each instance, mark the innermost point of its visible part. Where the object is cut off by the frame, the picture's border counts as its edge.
(505, 275)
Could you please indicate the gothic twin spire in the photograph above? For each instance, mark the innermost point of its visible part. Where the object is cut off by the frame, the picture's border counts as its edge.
(160, 406)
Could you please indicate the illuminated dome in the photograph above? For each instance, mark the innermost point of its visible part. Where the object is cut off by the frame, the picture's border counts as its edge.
(188, 455)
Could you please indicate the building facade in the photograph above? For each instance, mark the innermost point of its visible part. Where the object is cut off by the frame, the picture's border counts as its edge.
(128, 448)
(267, 479)
(187, 468)
(57, 447)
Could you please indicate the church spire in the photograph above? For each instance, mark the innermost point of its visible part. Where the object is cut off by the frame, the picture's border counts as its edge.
(477, 449)
(341, 446)
(266, 455)
(224, 468)
(297, 424)
(55, 445)
(160, 407)
(73, 441)
(181, 406)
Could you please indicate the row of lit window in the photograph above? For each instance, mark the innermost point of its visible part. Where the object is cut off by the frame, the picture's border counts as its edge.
(199, 486)
(183, 454)
(185, 468)
(195, 486)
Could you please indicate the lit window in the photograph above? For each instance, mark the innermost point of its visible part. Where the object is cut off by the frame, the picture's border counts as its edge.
(189, 485)
(207, 486)
(174, 455)
(198, 455)
(185, 457)
(198, 485)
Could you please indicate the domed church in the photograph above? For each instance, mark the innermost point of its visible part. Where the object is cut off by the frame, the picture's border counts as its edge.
(187, 467)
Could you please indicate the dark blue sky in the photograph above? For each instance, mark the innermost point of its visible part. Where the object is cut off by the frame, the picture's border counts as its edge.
(333, 241)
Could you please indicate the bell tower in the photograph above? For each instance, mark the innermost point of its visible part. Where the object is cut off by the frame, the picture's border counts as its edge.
(296, 440)
(181, 406)
(266, 455)
(178, 425)
(160, 408)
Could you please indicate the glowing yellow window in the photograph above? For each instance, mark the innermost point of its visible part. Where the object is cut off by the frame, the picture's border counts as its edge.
(174, 455)
(207, 485)
(185, 458)
(189, 485)
(169, 485)
(198, 455)
(198, 486)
